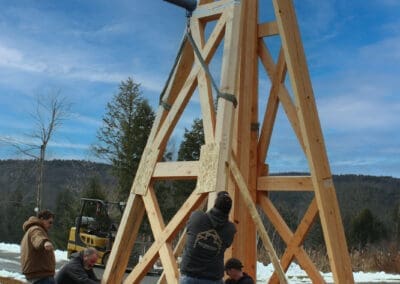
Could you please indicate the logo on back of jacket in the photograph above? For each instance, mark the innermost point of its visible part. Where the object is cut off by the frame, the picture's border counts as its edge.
(208, 240)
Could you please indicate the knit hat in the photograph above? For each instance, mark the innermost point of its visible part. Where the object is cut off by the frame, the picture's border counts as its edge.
(223, 202)
(233, 263)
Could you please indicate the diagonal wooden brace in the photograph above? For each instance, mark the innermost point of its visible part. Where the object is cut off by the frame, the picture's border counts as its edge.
(145, 171)
(244, 191)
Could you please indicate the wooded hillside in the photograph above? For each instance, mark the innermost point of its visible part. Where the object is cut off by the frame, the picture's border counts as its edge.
(65, 179)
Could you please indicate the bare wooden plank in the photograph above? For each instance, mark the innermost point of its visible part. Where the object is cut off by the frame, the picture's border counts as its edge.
(211, 10)
(315, 147)
(293, 246)
(188, 88)
(267, 29)
(285, 183)
(279, 73)
(229, 72)
(179, 247)
(283, 96)
(284, 231)
(178, 78)
(177, 252)
(290, 110)
(176, 170)
(176, 223)
(244, 191)
(176, 110)
(145, 171)
(266, 59)
(157, 226)
(245, 137)
(124, 240)
(204, 86)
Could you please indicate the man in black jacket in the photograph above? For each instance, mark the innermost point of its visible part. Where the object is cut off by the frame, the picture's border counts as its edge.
(233, 268)
(208, 236)
(79, 269)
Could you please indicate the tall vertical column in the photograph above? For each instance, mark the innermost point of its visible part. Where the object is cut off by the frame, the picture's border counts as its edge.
(245, 137)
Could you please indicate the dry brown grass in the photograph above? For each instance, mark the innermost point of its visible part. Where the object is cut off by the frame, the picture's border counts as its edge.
(377, 258)
(384, 257)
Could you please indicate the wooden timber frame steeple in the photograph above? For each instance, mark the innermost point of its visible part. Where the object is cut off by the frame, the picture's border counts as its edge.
(235, 152)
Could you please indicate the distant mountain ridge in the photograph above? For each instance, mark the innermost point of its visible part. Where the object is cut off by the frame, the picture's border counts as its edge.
(380, 194)
(58, 175)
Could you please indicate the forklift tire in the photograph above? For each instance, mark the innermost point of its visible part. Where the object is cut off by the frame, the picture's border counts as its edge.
(105, 258)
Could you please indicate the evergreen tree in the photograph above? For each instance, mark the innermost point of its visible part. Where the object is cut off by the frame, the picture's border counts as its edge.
(16, 212)
(123, 135)
(66, 211)
(189, 150)
(396, 217)
(366, 229)
(94, 190)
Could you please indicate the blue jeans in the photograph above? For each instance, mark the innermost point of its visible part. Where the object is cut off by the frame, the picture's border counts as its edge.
(191, 280)
(46, 280)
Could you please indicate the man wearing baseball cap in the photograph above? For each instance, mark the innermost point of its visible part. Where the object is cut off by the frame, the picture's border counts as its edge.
(233, 268)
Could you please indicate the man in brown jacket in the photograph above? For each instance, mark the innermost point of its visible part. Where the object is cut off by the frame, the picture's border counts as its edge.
(37, 252)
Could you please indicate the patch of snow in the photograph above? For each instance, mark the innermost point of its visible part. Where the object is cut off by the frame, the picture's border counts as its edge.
(61, 255)
(294, 274)
(376, 277)
(13, 275)
(9, 261)
(14, 248)
(10, 247)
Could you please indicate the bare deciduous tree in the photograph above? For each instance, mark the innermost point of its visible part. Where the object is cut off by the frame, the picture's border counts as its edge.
(50, 111)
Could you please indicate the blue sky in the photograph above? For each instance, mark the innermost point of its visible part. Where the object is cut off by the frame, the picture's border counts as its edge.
(86, 48)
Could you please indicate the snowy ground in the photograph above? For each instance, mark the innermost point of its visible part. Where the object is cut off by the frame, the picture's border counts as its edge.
(9, 267)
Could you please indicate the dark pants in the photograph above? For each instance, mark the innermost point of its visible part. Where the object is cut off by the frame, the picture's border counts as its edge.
(191, 280)
(46, 280)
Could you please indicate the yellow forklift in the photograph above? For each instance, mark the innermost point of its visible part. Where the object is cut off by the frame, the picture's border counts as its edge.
(96, 226)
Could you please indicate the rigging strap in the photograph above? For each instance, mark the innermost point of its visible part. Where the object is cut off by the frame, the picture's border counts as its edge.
(163, 102)
(188, 36)
(226, 96)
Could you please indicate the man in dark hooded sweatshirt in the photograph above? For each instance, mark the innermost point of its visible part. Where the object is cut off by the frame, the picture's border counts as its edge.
(79, 270)
(208, 236)
(38, 262)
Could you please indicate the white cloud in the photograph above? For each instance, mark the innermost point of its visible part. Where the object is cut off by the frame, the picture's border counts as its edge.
(68, 145)
(9, 55)
(87, 120)
(354, 112)
(14, 58)
(316, 17)
(75, 68)
(384, 52)
(389, 3)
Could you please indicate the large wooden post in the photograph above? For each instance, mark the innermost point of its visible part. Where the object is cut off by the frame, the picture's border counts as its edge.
(235, 154)
(246, 136)
(315, 148)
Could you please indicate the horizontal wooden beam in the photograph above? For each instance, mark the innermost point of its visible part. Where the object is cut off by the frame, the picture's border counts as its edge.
(176, 170)
(267, 29)
(285, 183)
(211, 11)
